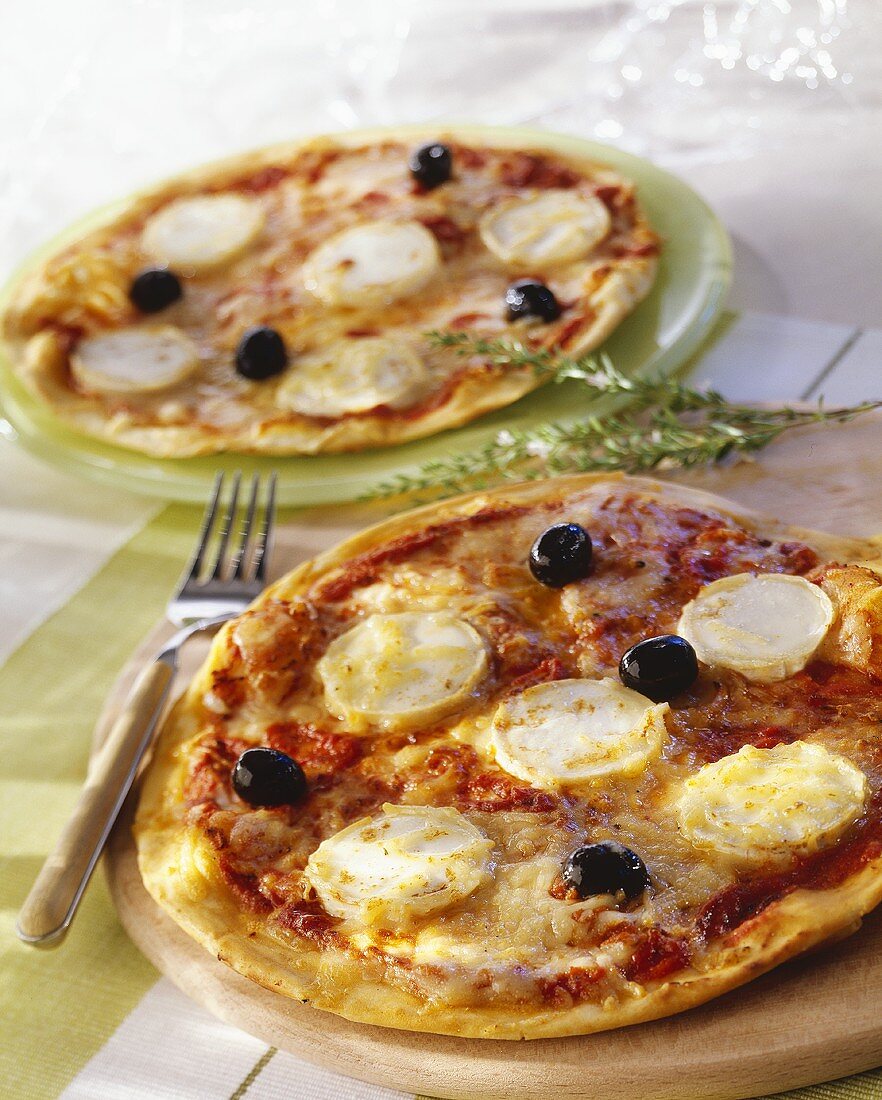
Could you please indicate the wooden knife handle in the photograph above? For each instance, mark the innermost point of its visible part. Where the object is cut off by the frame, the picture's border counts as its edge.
(55, 895)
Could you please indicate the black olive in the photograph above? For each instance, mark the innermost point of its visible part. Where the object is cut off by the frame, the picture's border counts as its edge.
(266, 777)
(154, 289)
(527, 298)
(659, 668)
(561, 555)
(605, 868)
(261, 354)
(431, 165)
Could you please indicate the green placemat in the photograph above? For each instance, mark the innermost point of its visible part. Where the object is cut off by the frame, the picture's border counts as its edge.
(51, 691)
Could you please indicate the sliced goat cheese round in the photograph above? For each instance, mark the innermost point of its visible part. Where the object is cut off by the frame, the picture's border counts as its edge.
(771, 804)
(351, 376)
(552, 227)
(372, 264)
(400, 670)
(577, 731)
(406, 862)
(134, 360)
(202, 231)
(765, 626)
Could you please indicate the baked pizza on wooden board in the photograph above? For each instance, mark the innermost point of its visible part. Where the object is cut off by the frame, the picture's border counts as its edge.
(465, 774)
(278, 302)
(813, 1019)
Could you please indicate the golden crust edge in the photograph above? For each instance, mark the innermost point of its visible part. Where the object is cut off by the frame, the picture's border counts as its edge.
(791, 926)
(852, 549)
(784, 930)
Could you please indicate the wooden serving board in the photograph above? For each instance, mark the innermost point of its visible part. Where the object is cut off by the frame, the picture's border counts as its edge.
(814, 1019)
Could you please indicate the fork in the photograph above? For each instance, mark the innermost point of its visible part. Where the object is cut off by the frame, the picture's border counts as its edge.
(207, 595)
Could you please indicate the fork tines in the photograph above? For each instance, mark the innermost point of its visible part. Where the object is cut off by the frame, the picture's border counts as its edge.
(248, 561)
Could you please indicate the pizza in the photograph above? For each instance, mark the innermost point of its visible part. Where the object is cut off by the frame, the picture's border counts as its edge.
(535, 762)
(280, 302)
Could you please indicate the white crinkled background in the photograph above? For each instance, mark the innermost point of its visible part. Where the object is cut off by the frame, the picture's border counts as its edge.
(100, 97)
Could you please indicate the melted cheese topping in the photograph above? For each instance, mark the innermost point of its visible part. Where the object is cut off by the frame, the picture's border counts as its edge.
(766, 627)
(353, 376)
(134, 360)
(577, 731)
(400, 671)
(202, 232)
(554, 227)
(771, 804)
(518, 941)
(372, 264)
(406, 862)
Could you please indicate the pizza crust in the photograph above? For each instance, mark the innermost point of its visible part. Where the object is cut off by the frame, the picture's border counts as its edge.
(72, 289)
(330, 979)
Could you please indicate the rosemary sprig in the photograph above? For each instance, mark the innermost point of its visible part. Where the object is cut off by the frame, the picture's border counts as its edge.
(666, 424)
(596, 372)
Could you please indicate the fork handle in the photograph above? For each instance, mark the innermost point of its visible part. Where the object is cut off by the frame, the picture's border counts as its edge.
(55, 895)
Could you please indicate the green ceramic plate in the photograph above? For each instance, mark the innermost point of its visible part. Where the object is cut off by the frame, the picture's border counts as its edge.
(661, 335)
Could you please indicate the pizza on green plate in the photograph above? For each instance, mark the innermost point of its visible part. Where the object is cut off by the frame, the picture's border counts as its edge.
(279, 302)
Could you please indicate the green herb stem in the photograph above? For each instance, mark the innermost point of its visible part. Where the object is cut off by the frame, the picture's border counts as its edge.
(665, 424)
